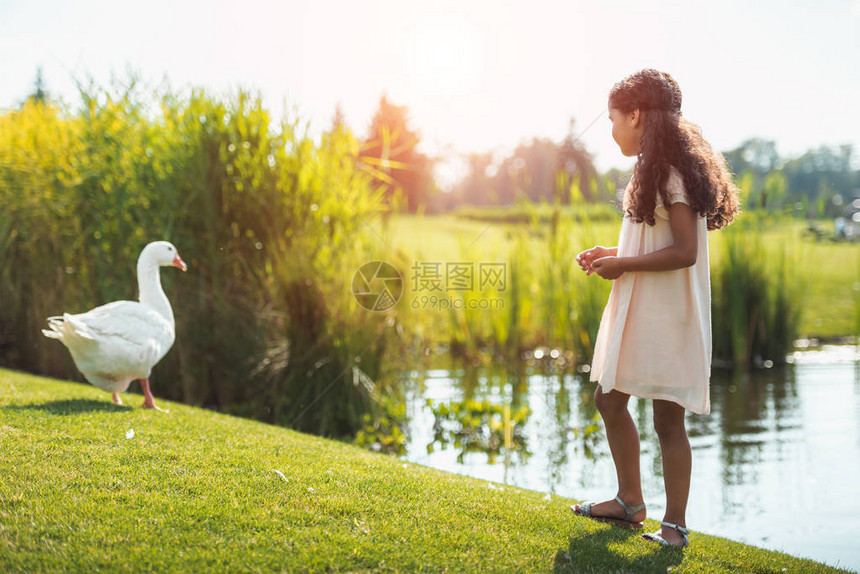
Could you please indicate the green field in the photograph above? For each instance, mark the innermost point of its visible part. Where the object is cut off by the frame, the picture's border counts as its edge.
(828, 274)
(89, 486)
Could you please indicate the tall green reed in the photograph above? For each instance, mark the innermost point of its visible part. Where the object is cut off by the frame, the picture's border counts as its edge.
(270, 222)
(756, 300)
(548, 300)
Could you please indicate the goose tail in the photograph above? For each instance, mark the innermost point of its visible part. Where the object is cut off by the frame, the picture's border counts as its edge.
(67, 326)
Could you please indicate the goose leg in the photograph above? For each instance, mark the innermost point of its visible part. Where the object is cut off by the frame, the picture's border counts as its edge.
(148, 402)
(116, 399)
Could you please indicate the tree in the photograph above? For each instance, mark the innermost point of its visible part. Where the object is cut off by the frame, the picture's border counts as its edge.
(755, 154)
(478, 187)
(756, 157)
(540, 169)
(40, 92)
(389, 154)
(821, 174)
(529, 171)
(338, 120)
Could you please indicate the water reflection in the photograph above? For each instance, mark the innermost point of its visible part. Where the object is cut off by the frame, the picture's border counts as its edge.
(774, 464)
(480, 426)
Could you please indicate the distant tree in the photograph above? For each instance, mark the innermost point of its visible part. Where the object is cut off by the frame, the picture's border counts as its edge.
(819, 182)
(40, 92)
(530, 170)
(338, 120)
(478, 186)
(756, 155)
(540, 169)
(545, 170)
(824, 177)
(389, 154)
(575, 160)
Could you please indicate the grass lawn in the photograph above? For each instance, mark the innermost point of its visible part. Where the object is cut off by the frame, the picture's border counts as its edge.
(195, 491)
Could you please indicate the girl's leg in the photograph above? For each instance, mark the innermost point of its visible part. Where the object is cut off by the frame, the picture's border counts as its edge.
(623, 440)
(677, 464)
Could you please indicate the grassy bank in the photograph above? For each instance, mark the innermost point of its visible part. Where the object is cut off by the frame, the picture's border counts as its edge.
(192, 490)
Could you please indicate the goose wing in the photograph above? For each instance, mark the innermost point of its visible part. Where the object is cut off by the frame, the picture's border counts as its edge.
(123, 337)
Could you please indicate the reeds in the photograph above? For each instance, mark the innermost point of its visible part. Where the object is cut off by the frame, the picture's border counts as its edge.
(757, 288)
(272, 225)
(755, 295)
(547, 302)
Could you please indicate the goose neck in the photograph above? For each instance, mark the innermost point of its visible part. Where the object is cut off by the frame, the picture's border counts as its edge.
(151, 293)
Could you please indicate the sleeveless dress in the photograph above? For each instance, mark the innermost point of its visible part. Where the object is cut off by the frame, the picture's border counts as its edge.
(654, 339)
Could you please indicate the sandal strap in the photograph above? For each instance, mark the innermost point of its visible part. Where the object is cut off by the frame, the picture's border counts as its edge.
(630, 510)
(584, 509)
(685, 533)
(680, 529)
(655, 537)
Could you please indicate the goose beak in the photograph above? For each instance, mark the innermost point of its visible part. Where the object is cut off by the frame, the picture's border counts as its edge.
(178, 262)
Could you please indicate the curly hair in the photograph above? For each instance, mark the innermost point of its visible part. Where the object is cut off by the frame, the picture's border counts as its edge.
(670, 140)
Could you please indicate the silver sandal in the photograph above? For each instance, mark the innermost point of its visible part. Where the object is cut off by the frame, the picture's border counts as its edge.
(627, 521)
(656, 536)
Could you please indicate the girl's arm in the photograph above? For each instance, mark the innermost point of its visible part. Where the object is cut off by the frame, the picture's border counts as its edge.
(682, 253)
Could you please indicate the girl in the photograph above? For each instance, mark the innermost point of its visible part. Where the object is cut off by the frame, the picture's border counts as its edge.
(654, 339)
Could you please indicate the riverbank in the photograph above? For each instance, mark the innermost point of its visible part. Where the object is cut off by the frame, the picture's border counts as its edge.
(90, 485)
(772, 435)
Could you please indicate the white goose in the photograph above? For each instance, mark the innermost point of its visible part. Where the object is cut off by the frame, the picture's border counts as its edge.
(114, 344)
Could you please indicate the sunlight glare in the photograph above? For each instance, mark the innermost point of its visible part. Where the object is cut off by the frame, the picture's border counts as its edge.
(444, 55)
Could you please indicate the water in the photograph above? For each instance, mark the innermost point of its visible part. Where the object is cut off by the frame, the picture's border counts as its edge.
(776, 464)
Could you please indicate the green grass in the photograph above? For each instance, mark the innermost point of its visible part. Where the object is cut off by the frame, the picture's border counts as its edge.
(825, 273)
(197, 491)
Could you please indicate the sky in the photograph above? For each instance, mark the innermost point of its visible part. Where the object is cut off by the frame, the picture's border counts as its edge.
(475, 75)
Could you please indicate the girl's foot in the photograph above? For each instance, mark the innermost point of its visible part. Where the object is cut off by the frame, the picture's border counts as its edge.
(669, 535)
(613, 509)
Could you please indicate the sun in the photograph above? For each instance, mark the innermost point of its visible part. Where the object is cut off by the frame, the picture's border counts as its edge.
(443, 55)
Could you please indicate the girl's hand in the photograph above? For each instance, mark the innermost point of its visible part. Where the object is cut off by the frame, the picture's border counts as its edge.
(586, 258)
(608, 267)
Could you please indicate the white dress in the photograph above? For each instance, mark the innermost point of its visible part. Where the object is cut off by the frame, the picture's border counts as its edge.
(654, 339)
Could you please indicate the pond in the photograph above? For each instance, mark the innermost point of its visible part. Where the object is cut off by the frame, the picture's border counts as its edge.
(775, 464)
